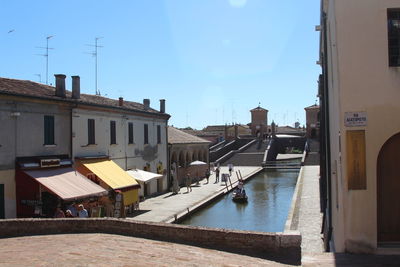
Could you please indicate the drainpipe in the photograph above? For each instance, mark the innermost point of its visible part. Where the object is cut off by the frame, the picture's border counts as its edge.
(327, 136)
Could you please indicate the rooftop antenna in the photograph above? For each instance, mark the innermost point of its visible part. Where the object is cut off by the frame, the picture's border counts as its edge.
(40, 77)
(95, 56)
(47, 56)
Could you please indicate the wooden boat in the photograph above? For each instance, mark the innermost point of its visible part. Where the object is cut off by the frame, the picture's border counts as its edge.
(239, 195)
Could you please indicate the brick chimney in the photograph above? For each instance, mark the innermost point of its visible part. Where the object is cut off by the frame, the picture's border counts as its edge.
(121, 101)
(146, 103)
(162, 105)
(60, 85)
(76, 87)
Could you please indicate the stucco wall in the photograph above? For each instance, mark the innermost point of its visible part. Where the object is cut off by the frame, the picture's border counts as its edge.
(283, 246)
(361, 80)
(22, 135)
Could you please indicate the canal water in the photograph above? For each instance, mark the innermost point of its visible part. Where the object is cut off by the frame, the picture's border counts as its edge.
(270, 195)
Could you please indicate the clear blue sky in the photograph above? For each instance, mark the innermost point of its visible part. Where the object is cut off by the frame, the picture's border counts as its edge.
(212, 60)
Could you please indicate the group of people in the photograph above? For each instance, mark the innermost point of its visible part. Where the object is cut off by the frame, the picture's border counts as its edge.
(72, 211)
(217, 170)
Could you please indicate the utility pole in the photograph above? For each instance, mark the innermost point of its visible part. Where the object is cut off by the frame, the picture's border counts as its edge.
(47, 56)
(95, 65)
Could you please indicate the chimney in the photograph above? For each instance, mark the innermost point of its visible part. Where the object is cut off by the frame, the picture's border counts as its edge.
(76, 87)
(60, 85)
(162, 105)
(146, 103)
(121, 101)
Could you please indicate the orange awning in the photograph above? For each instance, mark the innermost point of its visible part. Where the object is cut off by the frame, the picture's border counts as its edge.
(66, 183)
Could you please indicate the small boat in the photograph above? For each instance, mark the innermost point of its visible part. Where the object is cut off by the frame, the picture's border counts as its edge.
(239, 195)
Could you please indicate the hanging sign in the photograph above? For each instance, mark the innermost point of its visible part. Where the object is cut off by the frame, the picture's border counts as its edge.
(355, 119)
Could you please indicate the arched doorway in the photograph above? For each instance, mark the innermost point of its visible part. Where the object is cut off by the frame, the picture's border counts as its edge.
(388, 191)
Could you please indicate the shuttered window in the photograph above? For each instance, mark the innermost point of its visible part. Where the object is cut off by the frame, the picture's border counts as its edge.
(146, 134)
(91, 132)
(158, 134)
(49, 130)
(113, 137)
(130, 133)
(393, 16)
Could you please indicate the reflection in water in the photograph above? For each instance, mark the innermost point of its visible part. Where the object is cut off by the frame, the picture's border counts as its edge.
(270, 195)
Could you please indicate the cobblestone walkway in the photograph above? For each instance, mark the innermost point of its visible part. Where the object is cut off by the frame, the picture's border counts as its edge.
(310, 217)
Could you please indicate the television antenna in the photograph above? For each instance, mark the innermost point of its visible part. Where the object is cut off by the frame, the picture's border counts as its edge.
(47, 56)
(94, 53)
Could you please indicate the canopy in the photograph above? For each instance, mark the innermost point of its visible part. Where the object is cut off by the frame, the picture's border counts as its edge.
(66, 183)
(197, 162)
(110, 173)
(115, 177)
(143, 176)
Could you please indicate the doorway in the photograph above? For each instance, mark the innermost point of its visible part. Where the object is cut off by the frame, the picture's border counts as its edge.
(2, 202)
(388, 189)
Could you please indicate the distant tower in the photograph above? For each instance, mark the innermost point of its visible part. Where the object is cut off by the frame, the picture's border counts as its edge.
(259, 121)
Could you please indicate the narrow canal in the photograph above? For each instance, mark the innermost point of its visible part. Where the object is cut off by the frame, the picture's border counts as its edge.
(270, 195)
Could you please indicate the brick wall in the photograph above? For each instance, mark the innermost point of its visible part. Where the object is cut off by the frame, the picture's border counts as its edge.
(281, 246)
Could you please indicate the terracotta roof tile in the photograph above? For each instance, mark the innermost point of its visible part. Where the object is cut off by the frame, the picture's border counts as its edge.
(176, 136)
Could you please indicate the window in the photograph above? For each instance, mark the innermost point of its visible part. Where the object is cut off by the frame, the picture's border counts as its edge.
(130, 133)
(146, 134)
(113, 137)
(49, 130)
(158, 134)
(91, 133)
(394, 37)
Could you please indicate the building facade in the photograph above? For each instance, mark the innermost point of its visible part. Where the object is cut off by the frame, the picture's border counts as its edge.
(41, 120)
(359, 90)
(259, 121)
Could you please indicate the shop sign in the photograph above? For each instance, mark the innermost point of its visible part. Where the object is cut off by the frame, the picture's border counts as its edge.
(355, 119)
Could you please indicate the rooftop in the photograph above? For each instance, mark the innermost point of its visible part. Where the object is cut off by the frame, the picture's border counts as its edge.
(315, 106)
(176, 136)
(37, 90)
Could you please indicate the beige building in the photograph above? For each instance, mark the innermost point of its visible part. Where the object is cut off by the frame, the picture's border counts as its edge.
(359, 89)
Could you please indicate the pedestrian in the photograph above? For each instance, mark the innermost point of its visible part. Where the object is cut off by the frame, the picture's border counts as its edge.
(82, 212)
(217, 175)
(59, 213)
(188, 183)
(230, 168)
(68, 214)
(207, 174)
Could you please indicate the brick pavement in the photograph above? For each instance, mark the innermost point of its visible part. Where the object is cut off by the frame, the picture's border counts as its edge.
(113, 250)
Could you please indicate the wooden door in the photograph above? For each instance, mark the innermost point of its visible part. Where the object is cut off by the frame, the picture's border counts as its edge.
(388, 191)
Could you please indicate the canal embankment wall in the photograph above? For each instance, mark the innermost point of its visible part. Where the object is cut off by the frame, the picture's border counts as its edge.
(284, 247)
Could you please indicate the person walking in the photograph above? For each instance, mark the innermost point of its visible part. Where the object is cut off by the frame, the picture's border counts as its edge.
(207, 175)
(217, 175)
(188, 183)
